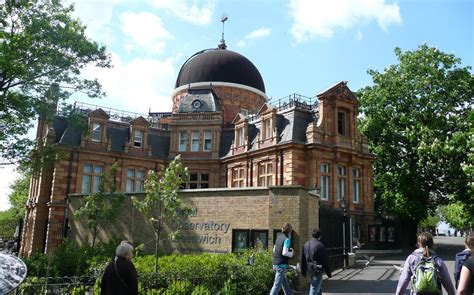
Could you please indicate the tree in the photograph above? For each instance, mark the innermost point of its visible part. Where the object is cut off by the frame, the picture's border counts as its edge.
(430, 222)
(42, 51)
(10, 218)
(418, 119)
(162, 203)
(102, 207)
(458, 216)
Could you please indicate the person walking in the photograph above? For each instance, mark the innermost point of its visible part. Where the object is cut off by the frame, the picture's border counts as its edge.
(422, 265)
(313, 260)
(281, 257)
(463, 256)
(120, 276)
(466, 278)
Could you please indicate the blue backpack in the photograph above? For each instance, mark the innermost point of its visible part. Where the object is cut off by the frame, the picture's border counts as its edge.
(458, 262)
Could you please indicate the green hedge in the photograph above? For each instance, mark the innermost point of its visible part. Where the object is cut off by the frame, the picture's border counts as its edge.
(217, 273)
(177, 273)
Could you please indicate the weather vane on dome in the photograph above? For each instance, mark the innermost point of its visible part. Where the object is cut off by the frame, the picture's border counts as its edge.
(222, 45)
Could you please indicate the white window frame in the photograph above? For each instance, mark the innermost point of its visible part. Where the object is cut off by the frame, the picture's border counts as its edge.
(239, 137)
(96, 135)
(238, 177)
(324, 181)
(183, 140)
(207, 140)
(135, 180)
(195, 142)
(341, 183)
(95, 177)
(138, 138)
(267, 128)
(265, 174)
(356, 185)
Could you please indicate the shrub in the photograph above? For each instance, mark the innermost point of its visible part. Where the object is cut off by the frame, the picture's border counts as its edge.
(201, 290)
(219, 273)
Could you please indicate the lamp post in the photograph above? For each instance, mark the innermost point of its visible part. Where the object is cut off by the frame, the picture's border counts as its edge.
(342, 205)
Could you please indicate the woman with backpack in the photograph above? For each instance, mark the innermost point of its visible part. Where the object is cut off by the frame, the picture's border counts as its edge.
(425, 270)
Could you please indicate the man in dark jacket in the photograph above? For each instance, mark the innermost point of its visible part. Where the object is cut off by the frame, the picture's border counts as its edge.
(120, 276)
(313, 261)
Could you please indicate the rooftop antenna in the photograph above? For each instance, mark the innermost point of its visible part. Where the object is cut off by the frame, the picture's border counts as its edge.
(222, 45)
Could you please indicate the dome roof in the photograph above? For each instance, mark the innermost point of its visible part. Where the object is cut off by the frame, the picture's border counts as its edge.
(220, 65)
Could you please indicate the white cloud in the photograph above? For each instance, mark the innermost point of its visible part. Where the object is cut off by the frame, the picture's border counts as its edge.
(97, 16)
(145, 29)
(322, 18)
(137, 85)
(198, 15)
(241, 43)
(8, 175)
(260, 33)
(257, 34)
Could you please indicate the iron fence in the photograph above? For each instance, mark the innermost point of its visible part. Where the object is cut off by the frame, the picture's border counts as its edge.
(331, 222)
(56, 285)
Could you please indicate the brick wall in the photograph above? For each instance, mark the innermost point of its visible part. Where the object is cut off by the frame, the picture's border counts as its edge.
(217, 213)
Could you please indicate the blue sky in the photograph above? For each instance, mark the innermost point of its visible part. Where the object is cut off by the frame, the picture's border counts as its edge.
(299, 46)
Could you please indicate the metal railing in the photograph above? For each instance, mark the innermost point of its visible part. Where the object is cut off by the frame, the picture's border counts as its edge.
(121, 115)
(57, 285)
(296, 100)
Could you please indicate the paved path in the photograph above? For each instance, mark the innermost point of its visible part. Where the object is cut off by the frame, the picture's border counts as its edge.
(381, 277)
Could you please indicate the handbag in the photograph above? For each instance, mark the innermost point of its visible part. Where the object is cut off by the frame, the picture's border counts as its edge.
(118, 274)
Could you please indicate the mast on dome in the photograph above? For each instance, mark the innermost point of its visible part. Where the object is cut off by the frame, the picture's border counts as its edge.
(222, 44)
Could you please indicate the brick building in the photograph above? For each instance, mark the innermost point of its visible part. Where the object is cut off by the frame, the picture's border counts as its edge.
(253, 164)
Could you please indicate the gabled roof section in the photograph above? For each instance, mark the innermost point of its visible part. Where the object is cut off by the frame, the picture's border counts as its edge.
(99, 113)
(266, 108)
(140, 121)
(338, 89)
(239, 118)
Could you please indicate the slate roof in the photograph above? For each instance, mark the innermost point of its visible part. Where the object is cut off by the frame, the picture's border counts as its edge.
(199, 100)
(291, 127)
(118, 138)
(160, 145)
(118, 133)
(227, 136)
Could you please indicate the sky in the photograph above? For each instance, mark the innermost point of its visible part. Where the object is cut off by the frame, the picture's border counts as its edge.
(299, 46)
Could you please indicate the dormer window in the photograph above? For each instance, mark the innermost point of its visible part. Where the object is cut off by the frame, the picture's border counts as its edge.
(239, 137)
(138, 138)
(207, 140)
(341, 123)
(96, 134)
(244, 112)
(267, 128)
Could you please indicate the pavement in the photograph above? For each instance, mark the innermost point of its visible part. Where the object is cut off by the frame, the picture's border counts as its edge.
(381, 277)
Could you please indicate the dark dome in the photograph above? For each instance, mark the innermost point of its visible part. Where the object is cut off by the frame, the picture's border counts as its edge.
(220, 65)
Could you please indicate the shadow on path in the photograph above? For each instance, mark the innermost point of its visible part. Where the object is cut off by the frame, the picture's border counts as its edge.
(381, 276)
